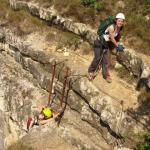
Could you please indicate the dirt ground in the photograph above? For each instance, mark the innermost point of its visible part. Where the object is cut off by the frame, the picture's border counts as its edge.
(119, 89)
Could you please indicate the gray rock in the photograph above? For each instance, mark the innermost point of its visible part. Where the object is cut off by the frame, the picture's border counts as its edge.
(3, 128)
(99, 104)
(94, 106)
(133, 63)
(34, 9)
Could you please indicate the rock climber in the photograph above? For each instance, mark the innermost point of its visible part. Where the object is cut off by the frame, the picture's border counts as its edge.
(42, 116)
(104, 44)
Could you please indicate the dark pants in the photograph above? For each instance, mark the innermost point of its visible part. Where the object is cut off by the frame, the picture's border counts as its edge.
(101, 57)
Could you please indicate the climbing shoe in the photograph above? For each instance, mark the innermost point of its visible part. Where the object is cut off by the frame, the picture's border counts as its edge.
(91, 76)
(108, 79)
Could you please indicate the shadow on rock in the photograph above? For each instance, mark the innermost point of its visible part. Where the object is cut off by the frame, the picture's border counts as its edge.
(142, 113)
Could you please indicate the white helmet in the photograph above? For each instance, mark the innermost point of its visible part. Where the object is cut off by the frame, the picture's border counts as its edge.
(120, 16)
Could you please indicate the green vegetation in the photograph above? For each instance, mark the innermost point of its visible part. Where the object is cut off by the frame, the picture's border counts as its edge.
(136, 32)
(88, 2)
(26, 24)
(99, 6)
(144, 97)
(141, 140)
(137, 27)
(93, 3)
(21, 20)
(125, 74)
(146, 143)
(65, 39)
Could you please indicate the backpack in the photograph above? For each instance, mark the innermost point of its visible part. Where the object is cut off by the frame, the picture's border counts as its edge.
(104, 24)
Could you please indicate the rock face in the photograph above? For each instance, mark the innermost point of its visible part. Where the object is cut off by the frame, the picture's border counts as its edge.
(95, 121)
(133, 63)
(19, 93)
(16, 99)
(3, 129)
(76, 132)
(52, 16)
(101, 112)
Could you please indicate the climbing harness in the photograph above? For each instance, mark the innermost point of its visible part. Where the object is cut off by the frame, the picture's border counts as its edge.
(100, 61)
(98, 68)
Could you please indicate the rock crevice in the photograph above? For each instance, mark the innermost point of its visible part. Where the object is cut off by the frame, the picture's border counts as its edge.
(133, 63)
(95, 107)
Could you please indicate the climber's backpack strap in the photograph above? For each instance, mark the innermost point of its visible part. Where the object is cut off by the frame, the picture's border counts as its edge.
(104, 24)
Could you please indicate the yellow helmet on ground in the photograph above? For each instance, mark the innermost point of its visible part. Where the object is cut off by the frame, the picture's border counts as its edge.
(47, 112)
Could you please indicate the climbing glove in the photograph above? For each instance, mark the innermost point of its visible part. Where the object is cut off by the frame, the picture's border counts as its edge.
(120, 48)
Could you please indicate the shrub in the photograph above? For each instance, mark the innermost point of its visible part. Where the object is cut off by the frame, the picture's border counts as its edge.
(146, 11)
(88, 2)
(146, 144)
(99, 6)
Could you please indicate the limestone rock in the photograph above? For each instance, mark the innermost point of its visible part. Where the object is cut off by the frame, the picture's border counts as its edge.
(133, 63)
(3, 130)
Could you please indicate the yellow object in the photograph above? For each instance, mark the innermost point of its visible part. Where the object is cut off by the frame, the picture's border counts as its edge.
(47, 112)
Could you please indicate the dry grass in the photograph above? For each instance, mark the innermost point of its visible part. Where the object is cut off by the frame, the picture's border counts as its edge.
(136, 32)
(144, 98)
(73, 9)
(25, 23)
(19, 146)
(124, 74)
(139, 29)
(22, 20)
(65, 39)
(137, 26)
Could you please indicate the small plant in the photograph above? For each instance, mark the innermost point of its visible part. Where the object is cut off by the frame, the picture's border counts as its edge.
(59, 46)
(146, 11)
(123, 73)
(147, 1)
(143, 98)
(87, 3)
(50, 36)
(146, 144)
(99, 6)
